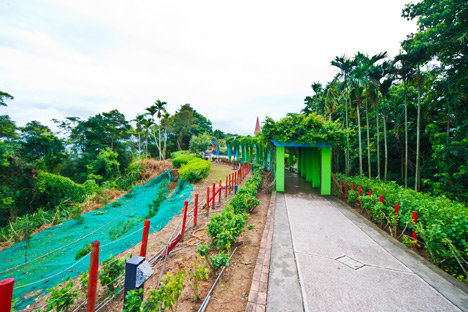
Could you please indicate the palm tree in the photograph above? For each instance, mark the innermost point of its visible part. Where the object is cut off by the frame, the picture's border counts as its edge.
(346, 66)
(318, 89)
(158, 110)
(384, 90)
(139, 119)
(405, 71)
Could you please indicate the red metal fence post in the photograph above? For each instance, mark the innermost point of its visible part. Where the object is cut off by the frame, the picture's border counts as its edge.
(184, 219)
(6, 294)
(220, 188)
(346, 190)
(195, 211)
(144, 241)
(370, 193)
(93, 276)
(397, 209)
(415, 220)
(207, 201)
(214, 195)
(381, 198)
(226, 188)
(359, 191)
(352, 186)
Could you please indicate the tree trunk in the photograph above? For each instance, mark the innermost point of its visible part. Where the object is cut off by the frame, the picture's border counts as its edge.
(378, 137)
(406, 134)
(360, 141)
(368, 135)
(385, 141)
(418, 173)
(347, 139)
(139, 145)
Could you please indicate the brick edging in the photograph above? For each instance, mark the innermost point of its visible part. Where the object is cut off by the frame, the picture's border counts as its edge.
(259, 287)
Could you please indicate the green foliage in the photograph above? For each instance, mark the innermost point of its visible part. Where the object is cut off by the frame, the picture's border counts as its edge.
(304, 128)
(161, 196)
(84, 279)
(199, 143)
(133, 174)
(224, 228)
(197, 273)
(62, 296)
(83, 251)
(182, 159)
(442, 222)
(352, 196)
(179, 153)
(111, 269)
(220, 260)
(195, 170)
(168, 293)
(105, 165)
(121, 228)
(53, 189)
(134, 301)
(250, 226)
(243, 202)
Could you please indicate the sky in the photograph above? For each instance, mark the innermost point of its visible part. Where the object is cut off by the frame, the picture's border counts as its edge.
(231, 60)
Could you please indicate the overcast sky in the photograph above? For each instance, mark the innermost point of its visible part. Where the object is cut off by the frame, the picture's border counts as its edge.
(231, 60)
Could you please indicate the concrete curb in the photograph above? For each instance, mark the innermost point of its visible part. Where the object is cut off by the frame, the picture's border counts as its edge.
(259, 287)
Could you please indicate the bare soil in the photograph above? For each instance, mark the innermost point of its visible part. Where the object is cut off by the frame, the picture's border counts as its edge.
(232, 289)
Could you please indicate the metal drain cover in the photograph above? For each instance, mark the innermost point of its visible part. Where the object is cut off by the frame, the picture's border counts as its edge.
(350, 262)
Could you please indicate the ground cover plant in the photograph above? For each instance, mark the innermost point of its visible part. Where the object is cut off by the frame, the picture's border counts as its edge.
(442, 223)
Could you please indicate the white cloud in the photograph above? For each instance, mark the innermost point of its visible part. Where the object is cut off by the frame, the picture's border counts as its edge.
(233, 61)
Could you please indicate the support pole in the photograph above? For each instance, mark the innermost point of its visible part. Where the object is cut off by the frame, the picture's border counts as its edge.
(207, 201)
(195, 211)
(280, 168)
(93, 276)
(291, 158)
(144, 241)
(326, 171)
(309, 168)
(184, 219)
(6, 294)
(315, 167)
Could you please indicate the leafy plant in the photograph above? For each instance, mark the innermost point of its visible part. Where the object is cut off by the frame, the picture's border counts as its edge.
(121, 228)
(163, 191)
(225, 227)
(83, 251)
(111, 270)
(195, 170)
(134, 300)
(220, 260)
(84, 279)
(197, 274)
(168, 293)
(62, 296)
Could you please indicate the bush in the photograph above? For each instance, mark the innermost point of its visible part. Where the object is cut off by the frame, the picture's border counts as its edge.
(83, 251)
(179, 153)
(62, 297)
(195, 170)
(182, 160)
(111, 269)
(442, 222)
(225, 227)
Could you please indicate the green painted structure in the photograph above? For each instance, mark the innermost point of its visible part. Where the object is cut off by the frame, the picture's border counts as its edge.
(280, 168)
(313, 163)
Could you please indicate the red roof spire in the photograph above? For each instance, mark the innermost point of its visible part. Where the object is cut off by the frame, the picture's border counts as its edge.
(257, 127)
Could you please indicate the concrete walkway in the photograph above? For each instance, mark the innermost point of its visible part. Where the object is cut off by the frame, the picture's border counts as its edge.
(325, 257)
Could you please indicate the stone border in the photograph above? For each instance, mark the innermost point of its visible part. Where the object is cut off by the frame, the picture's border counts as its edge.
(259, 287)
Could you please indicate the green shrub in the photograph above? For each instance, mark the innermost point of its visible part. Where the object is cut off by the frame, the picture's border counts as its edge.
(197, 274)
(242, 202)
(225, 227)
(134, 301)
(83, 251)
(121, 228)
(442, 223)
(62, 297)
(195, 170)
(220, 260)
(168, 293)
(179, 153)
(111, 269)
(181, 160)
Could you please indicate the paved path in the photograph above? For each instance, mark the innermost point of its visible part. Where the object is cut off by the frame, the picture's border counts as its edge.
(312, 234)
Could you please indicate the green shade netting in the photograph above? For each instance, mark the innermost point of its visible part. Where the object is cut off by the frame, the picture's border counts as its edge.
(58, 245)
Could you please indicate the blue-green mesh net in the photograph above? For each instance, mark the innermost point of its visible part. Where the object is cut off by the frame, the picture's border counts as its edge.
(58, 245)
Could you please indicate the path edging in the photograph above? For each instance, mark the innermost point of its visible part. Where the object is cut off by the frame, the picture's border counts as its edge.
(259, 287)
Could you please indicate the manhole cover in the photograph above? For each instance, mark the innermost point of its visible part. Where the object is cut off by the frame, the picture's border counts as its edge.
(350, 262)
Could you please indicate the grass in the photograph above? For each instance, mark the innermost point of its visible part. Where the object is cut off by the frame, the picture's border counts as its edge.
(218, 172)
